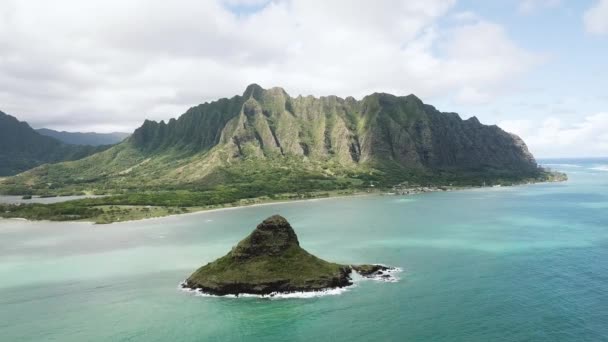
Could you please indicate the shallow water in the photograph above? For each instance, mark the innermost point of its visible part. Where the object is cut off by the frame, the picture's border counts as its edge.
(44, 200)
(499, 264)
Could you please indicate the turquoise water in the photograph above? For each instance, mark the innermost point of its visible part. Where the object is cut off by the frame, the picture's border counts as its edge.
(527, 263)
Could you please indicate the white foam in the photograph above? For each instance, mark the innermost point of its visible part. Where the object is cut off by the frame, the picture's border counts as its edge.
(600, 168)
(562, 165)
(405, 200)
(391, 275)
(392, 278)
(273, 295)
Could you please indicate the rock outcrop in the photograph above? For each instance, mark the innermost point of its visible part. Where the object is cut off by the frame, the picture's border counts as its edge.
(270, 260)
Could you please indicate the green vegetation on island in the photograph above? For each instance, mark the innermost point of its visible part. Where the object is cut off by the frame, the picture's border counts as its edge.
(270, 260)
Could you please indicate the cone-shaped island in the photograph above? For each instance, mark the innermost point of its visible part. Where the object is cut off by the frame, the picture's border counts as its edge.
(270, 260)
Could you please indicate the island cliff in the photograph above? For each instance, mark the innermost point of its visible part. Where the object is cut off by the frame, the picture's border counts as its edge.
(270, 260)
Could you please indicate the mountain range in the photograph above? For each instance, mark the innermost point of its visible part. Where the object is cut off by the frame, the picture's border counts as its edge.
(85, 138)
(268, 141)
(22, 148)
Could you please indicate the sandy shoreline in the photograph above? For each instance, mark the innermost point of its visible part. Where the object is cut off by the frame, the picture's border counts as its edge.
(265, 203)
(202, 211)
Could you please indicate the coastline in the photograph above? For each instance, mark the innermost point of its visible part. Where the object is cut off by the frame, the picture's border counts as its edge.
(209, 210)
(375, 192)
(388, 275)
(202, 211)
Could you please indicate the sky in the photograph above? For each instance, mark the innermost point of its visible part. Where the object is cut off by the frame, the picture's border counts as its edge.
(537, 68)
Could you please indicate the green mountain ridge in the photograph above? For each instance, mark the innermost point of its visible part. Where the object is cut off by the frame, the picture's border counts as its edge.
(22, 148)
(265, 142)
(84, 138)
(380, 127)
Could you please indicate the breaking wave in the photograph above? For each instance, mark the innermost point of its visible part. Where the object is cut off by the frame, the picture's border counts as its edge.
(388, 276)
(561, 165)
(273, 295)
(600, 168)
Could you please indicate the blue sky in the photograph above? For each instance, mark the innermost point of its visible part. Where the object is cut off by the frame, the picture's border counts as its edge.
(574, 61)
(537, 68)
(569, 83)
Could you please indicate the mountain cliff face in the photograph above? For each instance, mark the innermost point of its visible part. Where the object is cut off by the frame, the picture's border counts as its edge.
(267, 132)
(378, 128)
(22, 148)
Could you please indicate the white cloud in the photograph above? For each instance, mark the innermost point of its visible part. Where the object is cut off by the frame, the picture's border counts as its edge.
(553, 137)
(479, 59)
(530, 6)
(596, 18)
(83, 64)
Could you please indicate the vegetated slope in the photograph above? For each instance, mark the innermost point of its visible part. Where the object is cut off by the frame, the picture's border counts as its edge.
(22, 148)
(86, 138)
(269, 260)
(266, 141)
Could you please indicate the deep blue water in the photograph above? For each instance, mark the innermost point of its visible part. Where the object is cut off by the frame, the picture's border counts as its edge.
(527, 263)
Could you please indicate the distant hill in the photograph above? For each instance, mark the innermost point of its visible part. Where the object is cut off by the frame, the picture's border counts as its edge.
(88, 138)
(22, 148)
(266, 142)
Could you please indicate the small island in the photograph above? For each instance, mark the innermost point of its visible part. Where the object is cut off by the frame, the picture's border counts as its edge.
(270, 261)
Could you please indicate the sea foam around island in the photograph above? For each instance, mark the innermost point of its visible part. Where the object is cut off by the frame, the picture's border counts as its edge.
(564, 165)
(600, 168)
(561, 165)
(388, 276)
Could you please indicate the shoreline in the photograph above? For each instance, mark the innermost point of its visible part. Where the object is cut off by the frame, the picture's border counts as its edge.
(389, 275)
(375, 192)
(201, 211)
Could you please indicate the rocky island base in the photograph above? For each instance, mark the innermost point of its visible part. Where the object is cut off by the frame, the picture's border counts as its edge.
(271, 261)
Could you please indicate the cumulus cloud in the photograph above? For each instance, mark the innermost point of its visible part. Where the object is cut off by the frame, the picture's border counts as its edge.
(553, 137)
(479, 58)
(108, 64)
(596, 18)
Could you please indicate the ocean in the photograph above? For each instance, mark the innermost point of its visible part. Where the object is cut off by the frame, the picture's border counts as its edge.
(525, 263)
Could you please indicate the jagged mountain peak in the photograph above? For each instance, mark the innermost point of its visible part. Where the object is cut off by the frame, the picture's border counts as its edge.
(380, 127)
(398, 134)
(253, 90)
